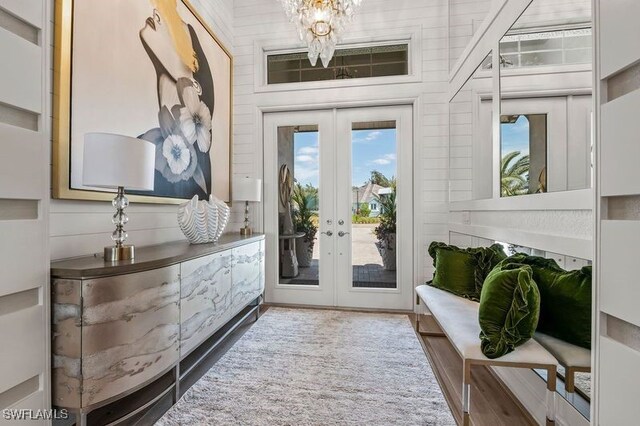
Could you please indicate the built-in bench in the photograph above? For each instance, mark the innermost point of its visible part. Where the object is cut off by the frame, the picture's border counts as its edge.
(574, 359)
(458, 319)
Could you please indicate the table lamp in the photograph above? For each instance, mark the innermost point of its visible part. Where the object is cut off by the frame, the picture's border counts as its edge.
(118, 162)
(247, 189)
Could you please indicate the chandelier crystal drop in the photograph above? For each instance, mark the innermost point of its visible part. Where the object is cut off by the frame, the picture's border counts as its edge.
(320, 24)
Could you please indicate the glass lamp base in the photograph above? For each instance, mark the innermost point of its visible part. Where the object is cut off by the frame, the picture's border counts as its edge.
(114, 254)
(246, 231)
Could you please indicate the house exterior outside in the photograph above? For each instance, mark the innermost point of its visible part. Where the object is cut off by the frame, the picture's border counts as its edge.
(368, 195)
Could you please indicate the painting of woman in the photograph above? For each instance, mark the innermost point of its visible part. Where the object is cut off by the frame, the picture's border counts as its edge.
(185, 103)
(162, 76)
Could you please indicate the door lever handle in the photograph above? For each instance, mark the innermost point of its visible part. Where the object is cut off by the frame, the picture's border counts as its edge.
(342, 233)
(328, 233)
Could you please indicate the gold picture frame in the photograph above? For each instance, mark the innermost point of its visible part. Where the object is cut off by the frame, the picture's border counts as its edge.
(62, 87)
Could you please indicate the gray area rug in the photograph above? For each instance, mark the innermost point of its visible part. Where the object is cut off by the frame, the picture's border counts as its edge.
(318, 367)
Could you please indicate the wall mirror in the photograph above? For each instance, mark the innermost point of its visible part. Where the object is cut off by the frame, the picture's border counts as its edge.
(546, 106)
(471, 137)
(546, 137)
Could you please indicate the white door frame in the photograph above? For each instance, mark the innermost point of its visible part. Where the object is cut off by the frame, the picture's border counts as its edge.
(401, 297)
(295, 294)
(322, 294)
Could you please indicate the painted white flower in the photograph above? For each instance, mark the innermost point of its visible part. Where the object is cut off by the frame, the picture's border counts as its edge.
(195, 120)
(175, 150)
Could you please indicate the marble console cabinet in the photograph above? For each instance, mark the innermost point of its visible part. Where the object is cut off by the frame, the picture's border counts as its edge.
(118, 327)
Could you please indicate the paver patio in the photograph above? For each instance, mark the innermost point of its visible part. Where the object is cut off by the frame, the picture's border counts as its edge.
(367, 263)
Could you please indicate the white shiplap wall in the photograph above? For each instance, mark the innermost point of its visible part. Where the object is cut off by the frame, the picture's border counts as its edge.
(465, 16)
(263, 23)
(82, 227)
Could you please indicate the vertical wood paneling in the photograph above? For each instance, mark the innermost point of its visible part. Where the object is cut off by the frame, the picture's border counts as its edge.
(24, 253)
(617, 320)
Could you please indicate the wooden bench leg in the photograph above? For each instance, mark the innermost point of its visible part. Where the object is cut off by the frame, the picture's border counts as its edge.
(427, 333)
(570, 380)
(466, 393)
(551, 395)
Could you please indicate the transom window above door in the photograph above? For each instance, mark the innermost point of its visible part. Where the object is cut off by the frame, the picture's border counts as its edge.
(347, 63)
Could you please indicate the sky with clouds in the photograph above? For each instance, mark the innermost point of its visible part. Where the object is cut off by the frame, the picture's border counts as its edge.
(515, 137)
(372, 150)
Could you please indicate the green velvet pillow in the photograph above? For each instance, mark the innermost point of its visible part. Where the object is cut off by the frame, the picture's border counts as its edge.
(565, 299)
(462, 271)
(509, 309)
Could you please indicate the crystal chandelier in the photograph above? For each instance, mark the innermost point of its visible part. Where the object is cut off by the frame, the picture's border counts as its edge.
(320, 24)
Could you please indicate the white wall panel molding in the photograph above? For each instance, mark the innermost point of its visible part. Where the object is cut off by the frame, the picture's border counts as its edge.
(565, 200)
(25, 69)
(564, 223)
(619, 256)
(19, 27)
(29, 11)
(624, 82)
(619, 33)
(620, 128)
(576, 247)
(619, 377)
(21, 360)
(617, 323)
(24, 204)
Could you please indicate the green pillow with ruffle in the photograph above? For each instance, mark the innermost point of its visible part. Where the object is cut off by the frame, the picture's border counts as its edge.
(462, 271)
(509, 309)
(565, 299)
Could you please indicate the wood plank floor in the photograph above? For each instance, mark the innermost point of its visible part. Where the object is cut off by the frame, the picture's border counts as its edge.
(491, 403)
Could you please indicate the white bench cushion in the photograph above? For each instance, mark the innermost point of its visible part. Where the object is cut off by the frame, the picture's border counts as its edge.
(458, 318)
(568, 355)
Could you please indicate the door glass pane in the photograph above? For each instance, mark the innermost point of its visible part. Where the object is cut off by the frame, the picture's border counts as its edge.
(373, 251)
(523, 168)
(298, 206)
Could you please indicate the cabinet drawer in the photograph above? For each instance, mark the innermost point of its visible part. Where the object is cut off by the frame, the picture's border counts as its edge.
(247, 276)
(130, 331)
(205, 298)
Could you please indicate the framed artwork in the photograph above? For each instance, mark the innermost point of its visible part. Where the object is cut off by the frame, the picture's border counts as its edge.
(150, 69)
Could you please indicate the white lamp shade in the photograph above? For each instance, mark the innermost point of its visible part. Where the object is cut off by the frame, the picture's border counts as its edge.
(247, 189)
(111, 161)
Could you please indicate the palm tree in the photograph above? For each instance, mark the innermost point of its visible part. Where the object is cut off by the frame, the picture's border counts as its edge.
(380, 179)
(305, 200)
(514, 176)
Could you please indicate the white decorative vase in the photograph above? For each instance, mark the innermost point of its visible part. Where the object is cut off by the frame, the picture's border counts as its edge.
(203, 221)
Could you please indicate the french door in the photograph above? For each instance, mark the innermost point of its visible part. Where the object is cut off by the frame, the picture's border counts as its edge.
(352, 179)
